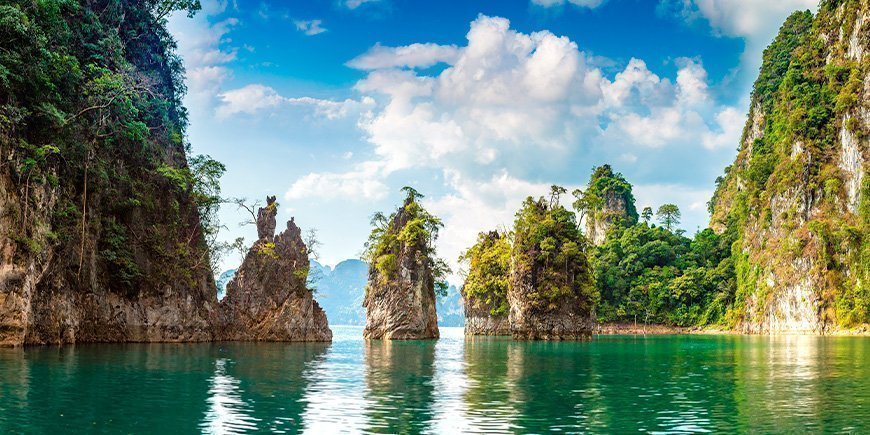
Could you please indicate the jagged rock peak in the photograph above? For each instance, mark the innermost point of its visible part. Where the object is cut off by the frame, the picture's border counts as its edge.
(268, 299)
(266, 219)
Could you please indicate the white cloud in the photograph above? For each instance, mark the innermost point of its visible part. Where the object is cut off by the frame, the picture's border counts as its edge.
(206, 51)
(591, 4)
(309, 27)
(362, 183)
(730, 126)
(409, 56)
(755, 21)
(353, 4)
(249, 99)
(255, 98)
(510, 103)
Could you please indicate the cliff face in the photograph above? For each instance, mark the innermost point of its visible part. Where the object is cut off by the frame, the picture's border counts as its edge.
(551, 290)
(268, 299)
(797, 198)
(485, 290)
(97, 241)
(607, 200)
(400, 296)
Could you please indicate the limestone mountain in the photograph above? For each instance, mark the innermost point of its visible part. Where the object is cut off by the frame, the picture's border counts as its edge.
(403, 273)
(104, 218)
(486, 285)
(551, 292)
(268, 298)
(608, 199)
(796, 201)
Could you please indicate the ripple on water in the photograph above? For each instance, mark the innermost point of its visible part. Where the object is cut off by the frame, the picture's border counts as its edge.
(662, 384)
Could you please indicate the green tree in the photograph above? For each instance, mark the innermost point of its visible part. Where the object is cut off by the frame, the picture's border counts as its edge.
(647, 214)
(669, 216)
(411, 230)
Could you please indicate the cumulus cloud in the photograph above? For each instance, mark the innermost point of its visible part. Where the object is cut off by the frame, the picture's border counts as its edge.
(362, 183)
(409, 56)
(309, 27)
(255, 98)
(509, 104)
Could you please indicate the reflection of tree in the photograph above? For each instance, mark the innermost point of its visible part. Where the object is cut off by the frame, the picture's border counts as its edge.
(400, 387)
(552, 386)
(488, 394)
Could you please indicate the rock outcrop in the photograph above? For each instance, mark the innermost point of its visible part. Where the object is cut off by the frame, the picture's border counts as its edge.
(551, 289)
(400, 295)
(607, 200)
(268, 299)
(484, 293)
(797, 200)
(100, 234)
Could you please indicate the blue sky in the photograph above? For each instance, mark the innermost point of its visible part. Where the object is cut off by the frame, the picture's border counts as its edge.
(333, 105)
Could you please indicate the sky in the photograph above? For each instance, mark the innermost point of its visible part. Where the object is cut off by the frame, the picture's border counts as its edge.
(334, 105)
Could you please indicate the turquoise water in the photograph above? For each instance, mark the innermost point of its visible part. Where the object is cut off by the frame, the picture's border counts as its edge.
(612, 384)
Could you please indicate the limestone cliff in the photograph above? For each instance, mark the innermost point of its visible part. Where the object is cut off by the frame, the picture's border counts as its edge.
(100, 230)
(551, 292)
(400, 295)
(484, 292)
(607, 200)
(268, 299)
(797, 198)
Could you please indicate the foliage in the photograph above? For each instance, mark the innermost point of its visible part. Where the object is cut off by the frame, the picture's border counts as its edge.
(409, 231)
(549, 247)
(90, 107)
(604, 186)
(488, 269)
(669, 215)
(648, 273)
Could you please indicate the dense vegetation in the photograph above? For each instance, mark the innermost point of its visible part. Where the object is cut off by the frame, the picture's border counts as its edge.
(550, 249)
(410, 230)
(605, 191)
(649, 273)
(805, 102)
(91, 117)
(486, 281)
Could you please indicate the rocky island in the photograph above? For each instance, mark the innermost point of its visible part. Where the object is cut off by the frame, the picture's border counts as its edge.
(107, 223)
(551, 292)
(268, 299)
(403, 274)
(486, 283)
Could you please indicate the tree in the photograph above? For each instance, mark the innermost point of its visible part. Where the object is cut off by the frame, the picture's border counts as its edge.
(412, 193)
(555, 193)
(647, 214)
(669, 216)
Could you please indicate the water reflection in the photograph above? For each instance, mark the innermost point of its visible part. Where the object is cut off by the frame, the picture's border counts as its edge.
(261, 386)
(720, 384)
(400, 388)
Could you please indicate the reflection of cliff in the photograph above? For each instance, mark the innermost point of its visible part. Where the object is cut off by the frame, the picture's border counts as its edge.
(778, 378)
(260, 387)
(399, 385)
(488, 387)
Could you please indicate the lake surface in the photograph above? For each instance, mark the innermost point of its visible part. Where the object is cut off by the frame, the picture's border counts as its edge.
(612, 384)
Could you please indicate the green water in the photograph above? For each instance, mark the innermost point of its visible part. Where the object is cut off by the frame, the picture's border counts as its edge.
(612, 384)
